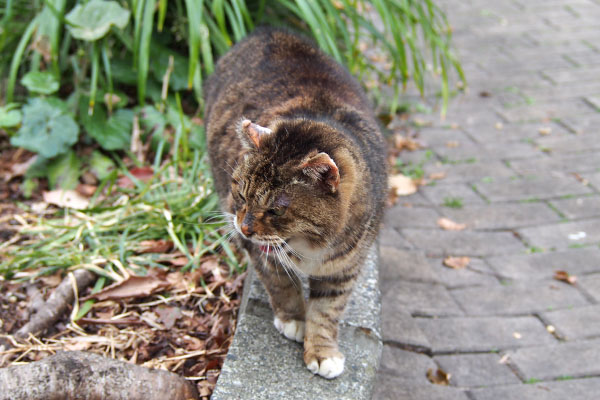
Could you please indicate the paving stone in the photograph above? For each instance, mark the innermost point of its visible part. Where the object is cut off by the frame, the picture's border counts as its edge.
(400, 328)
(591, 285)
(439, 243)
(518, 298)
(478, 273)
(406, 365)
(387, 388)
(576, 323)
(582, 125)
(467, 172)
(484, 152)
(502, 216)
(400, 216)
(470, 370)
(544, 186)
(562, 235)
(442, 194)
(586, 162)
(576, 389)
(428, 299)
(569, 144)
(594, 179)
(541, 266)
(575, 359)
(483, 334)
(578, 207)
(546, 110)
(562, 75)
(438, 136)
(515, 132)
(405, 265)
(390, 237)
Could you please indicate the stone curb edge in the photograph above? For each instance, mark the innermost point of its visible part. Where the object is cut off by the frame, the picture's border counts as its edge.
(262, 364)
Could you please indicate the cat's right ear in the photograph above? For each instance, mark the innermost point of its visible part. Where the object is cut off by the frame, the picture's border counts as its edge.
(252, 134)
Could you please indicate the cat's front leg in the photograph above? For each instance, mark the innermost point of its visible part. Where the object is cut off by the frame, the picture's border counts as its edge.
(285, 296)
(327, 300)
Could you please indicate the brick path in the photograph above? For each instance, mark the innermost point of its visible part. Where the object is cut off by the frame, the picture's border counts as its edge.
(527, 174)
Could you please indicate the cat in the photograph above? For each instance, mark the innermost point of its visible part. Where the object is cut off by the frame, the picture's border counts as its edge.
(298, 162)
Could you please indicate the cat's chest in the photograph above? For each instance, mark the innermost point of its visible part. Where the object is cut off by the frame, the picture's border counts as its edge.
(307, 258)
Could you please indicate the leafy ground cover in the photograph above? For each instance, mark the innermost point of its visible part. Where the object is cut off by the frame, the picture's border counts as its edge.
(103, 165)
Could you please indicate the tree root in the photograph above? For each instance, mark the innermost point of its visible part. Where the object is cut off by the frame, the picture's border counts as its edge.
(81, 375)
(56, 305)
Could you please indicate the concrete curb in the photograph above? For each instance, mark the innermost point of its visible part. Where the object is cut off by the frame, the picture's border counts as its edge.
(262, 364)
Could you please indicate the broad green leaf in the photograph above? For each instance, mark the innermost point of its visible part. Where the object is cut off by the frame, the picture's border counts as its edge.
(112, 133)
(9, 116)
(40, 82)
(47, 129)
(101, 165)
(64, 171)
(93, 20)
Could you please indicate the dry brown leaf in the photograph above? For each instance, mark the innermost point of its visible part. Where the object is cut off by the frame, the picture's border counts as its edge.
(457, 262)
(402, 185)
(134, 286)
(66, 199)
(449, 225)
(86, 190)
(564, 276)
(499, 126)
(144, 174)
(405, 143)
(168, 315)
(437, 175)
(452, 144)
(19, 169)
(154, 246)
(439, 377)
(545, 130)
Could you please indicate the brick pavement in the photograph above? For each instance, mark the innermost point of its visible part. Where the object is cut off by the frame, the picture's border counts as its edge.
(525, 178)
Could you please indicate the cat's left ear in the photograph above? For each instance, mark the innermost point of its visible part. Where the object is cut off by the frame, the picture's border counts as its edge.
(252, 134)
(322, 168)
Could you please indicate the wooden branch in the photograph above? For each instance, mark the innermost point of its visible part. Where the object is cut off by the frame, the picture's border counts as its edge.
(56, 305)
(81, 375)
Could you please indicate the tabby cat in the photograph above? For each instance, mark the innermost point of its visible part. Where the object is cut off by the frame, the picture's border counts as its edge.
(299, 166)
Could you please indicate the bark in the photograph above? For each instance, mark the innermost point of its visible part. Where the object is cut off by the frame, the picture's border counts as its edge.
(81, 375)
(56, 305)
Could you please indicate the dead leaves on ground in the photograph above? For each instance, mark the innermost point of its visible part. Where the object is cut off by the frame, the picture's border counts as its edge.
(457, 262)
(449, 225)
(401, 185)
(438, 377)
(564, 276)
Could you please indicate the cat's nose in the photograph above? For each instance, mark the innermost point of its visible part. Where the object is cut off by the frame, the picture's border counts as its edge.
(246, 226)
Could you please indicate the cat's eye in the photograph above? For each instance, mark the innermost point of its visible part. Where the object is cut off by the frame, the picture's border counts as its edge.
(277, 211)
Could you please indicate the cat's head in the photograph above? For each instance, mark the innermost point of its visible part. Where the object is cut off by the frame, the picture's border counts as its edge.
(290, 183)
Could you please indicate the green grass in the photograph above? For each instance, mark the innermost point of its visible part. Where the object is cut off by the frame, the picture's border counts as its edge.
(453, 202)
(532, 381)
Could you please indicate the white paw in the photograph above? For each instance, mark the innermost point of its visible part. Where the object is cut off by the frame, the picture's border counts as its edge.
(293, 330)
(329, 368)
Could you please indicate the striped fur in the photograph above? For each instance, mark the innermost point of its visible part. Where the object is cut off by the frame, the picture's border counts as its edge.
(299, 164)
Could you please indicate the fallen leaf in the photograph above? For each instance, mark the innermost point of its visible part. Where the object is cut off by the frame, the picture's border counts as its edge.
(550, 328)
(402, 185)
(86, 190)
(144, 174)
(439, 377)
(133, 286)
(581, 179)
(564, 276)
(449, 225)
(19, 169)
(154, 246)
(168, 315)
(405, 143)
(452, 144)
(457, 262)
(437, 175)
(499, 126)
(485, 93)
(66, 199)
(504, 359)
(517, 335)
(545, 130)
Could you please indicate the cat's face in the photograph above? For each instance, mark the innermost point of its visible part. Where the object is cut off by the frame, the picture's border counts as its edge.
(280, 191)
